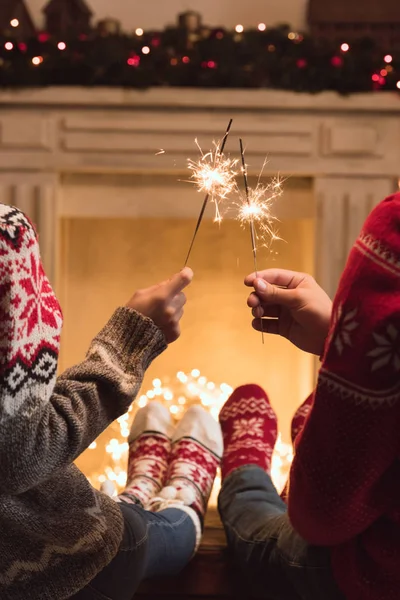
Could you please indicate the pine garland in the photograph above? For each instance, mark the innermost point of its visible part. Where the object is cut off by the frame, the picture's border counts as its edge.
(276, 58)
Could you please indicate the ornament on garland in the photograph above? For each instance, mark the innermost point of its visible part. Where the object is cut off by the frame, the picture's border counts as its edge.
(15, 20)
(109, 27)
(66, 17)
(190, 21)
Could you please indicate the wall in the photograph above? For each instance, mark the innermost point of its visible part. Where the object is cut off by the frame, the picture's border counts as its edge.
(157, 13)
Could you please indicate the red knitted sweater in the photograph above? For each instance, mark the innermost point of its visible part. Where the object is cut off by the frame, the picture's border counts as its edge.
(345, 478)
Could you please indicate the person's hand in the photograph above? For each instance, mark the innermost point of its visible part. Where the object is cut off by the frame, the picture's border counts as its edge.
(163, 303)
(296, 306)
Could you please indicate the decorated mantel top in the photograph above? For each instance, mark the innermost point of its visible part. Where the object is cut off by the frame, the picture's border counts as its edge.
(348, 49)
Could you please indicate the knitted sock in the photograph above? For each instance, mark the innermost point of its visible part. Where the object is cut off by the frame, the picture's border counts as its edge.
(197, 448)
(249, 427)
(149, 449)
(300, 416)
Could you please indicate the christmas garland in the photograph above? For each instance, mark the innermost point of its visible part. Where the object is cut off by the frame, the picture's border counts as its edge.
(275, 58)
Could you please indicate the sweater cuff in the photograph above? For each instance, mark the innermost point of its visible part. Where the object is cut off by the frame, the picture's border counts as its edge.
(132, 336)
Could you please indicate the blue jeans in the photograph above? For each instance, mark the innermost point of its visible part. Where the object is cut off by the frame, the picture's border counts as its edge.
(153, 544)
(276, 562)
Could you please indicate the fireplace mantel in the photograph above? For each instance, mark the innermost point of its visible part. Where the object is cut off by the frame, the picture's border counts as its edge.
(350, 146)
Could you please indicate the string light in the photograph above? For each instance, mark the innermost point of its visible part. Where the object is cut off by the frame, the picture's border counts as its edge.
(345, 47)
(262, 27)
(398, 85)
(388, 58)
(8, 46)
(139, 32)
(14, 23)
(291, 35)
(62, 46)
(185, 60)
(146, 50)
(239, 28)
(37, 60)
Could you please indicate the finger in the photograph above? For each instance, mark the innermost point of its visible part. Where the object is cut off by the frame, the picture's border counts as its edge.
(179, 300)
(266, 325)
(173, 334)
(271, 294)
(179, 281)
(258, 312)
(280, 277)
(267, 311)
(253, 300)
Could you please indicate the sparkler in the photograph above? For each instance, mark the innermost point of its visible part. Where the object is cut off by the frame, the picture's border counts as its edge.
(213, 174)
(257, 209)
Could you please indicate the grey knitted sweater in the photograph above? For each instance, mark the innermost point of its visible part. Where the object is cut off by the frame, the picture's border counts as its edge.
(56, 531)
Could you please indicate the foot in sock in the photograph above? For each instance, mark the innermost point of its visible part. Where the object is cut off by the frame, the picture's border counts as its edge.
(149, 450)
(196, 453)
(300, 417)
(249, 428)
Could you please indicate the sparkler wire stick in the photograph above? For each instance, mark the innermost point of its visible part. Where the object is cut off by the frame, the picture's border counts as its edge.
(219, 153)
(252, 227)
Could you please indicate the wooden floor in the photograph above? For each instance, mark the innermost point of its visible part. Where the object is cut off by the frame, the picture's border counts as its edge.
(208, 576)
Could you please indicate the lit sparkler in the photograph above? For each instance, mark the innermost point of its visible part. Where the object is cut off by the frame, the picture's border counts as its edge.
(257, 210)
(213, 174)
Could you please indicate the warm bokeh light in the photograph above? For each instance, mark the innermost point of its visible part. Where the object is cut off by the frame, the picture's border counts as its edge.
(139, 32)
(62, 46)
(239, 28)
(345, 47)
(388, 58)
(262, 27)
(8, 46)
(14, 23)
(37, 60)
(146, 50)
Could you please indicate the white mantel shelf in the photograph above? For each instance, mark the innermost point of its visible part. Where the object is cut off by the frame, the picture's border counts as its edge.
(201, 98)
(349, 146)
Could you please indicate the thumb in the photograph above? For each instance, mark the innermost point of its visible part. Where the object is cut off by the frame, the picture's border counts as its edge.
(179, 281)
(272, 294)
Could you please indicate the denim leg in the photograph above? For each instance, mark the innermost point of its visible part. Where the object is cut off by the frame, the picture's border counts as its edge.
(277, 563)
(153, 544)
(171, 542)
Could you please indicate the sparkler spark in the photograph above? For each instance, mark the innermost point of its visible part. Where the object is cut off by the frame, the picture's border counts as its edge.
(258, 209)
(160, 152)
(214, 174)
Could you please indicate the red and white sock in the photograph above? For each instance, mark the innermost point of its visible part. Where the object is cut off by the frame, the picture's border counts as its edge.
(300, 417)
(249, 427)
(149, 452)
(197, 448)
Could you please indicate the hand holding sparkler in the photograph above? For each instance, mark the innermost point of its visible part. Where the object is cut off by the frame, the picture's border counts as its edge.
(213, 174)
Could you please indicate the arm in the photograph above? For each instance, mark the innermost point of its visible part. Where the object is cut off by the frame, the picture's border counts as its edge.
(346, 456)
(46, 423)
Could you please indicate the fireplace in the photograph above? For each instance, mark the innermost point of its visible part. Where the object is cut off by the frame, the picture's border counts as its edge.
(113, 215)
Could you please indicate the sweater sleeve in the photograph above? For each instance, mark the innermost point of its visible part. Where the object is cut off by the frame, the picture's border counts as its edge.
(47, 422)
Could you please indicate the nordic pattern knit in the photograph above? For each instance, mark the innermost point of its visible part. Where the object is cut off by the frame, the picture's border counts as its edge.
(56, 531)
(345, 478)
